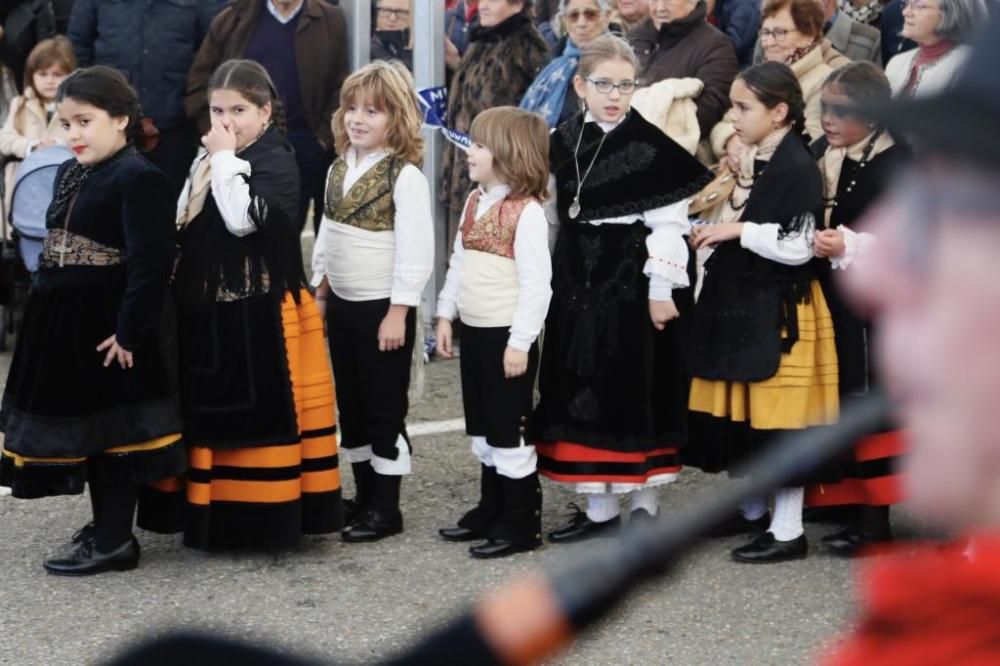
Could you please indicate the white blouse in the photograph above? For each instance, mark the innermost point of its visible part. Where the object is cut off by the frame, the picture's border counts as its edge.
(666, 245)
(534, 271)
(363, 265)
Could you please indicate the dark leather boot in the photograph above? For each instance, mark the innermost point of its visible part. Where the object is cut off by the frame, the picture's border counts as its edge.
(477, 522)
(519, 527)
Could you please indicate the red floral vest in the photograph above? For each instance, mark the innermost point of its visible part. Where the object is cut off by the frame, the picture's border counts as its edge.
(494, 232)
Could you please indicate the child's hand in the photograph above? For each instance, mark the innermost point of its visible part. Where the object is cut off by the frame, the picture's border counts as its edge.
(734, 150)
(829, 243)
(220, 137)
(515, 363)
(443, 334)
(322, 295)
(392, 330)
(712, 234)
(662, 312)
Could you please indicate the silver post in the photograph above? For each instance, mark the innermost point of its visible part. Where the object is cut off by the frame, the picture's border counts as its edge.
(359, 30)
(428, 72)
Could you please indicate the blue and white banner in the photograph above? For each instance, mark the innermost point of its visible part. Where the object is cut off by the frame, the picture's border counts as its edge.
(435, 106)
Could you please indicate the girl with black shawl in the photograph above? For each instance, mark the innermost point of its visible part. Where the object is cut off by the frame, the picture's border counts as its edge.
(256, 386)
(762, 349)
(858, 161)
(611, 413)
(88, 397)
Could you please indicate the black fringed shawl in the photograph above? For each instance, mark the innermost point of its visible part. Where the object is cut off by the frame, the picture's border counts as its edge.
(746, 313)
(269, 260)
(639, 169)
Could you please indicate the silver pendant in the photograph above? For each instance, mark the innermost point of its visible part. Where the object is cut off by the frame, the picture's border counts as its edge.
(574, 209)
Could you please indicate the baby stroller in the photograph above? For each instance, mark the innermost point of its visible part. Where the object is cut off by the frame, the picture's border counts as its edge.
(24, 231)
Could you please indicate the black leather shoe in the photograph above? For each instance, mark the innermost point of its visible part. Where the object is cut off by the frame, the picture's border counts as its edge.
(493, 548)
(460, 534)
(851, 542)
(352, 511)
(581, 527)
(87, 561)
(736, 524)
(85, 533)
(766, 549)
(373, 526)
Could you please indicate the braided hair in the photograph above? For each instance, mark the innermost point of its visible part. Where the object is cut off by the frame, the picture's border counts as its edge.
(106, 89)
(251, 80)
(774, 83)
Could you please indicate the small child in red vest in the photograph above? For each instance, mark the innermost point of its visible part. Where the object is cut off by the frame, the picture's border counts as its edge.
(499, 283)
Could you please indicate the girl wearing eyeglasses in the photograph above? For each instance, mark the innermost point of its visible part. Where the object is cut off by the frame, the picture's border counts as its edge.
(611, 415)
(551, 94)
(857, 160)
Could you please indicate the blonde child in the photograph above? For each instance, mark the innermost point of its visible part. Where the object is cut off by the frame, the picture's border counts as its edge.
(498, 281)
(373, 256)
(31, 122)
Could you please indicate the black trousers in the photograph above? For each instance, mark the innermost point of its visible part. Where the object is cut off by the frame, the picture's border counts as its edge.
(313, 161)
(372, 385)
(174, 152)
(496, 408)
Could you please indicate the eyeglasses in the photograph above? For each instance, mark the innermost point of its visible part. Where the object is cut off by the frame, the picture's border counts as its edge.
(393, 14)
(777, 34)
(590, 15)
(605, 87)
(918, 5)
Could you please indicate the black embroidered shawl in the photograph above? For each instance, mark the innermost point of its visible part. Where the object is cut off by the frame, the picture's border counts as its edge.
(639, 168)
(746, 313)
(266, 261)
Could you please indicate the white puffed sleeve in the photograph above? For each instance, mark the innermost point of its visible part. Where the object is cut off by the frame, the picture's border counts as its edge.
(414, 229)
(855, 244)
(767, 240)
(534, 277)
(668, 250)
(231, 190)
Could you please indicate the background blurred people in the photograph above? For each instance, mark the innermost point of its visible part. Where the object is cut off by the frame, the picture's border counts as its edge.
(24, 23)
(391, 36)
(152, 43)
(676, 42)
(505, 54)
(941, 30)
(740, 20)
(629, 14)
(855, 39)
(303, 46)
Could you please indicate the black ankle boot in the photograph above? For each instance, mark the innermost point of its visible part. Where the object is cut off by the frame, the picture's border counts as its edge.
(383, 518)
(477, 522)
(86, 560)
(364, 479)
(519, 527)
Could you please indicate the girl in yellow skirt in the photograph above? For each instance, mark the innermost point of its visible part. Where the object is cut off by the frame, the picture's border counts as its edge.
(256, 386)
(763, 357)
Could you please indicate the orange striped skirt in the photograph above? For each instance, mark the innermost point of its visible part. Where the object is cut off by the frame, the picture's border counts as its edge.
(264, 496)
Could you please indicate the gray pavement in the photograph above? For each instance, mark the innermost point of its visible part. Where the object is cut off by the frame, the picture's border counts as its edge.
(356, 603)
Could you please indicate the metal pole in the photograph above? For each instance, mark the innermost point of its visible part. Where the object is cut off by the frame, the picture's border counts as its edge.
(359, 30)
(429, 72)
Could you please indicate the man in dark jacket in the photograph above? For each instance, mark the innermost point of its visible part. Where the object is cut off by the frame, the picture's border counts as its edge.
(152, 42)
(740, 20)
(303, 46)
(676, 42)
(23, 23)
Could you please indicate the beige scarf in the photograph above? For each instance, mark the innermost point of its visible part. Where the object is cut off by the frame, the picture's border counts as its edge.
(744, 183)
(197, 189)
(832, 163)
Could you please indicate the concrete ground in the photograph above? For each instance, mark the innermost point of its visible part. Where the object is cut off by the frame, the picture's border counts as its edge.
(357, 603)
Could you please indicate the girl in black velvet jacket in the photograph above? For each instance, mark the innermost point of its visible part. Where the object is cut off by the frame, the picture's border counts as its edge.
(87, 397)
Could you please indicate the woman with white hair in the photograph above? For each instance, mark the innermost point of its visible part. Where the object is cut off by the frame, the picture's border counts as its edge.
(942, 30)
(551, 94)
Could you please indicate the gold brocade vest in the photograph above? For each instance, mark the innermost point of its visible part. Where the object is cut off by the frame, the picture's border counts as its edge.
(368, 204)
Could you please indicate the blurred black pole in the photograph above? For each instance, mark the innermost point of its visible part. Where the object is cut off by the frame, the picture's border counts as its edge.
(533, 617)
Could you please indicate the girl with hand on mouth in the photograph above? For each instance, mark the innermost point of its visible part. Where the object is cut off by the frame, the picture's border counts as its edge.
(88, 399)
(762, 354)
(611, 414)
(256, 389)
(373, 256)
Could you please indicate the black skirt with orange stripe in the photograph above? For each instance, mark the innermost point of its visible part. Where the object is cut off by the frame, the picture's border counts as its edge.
(66, 417)
(261, 427)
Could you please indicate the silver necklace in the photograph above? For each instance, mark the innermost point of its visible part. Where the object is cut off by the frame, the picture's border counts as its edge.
(574, 208)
